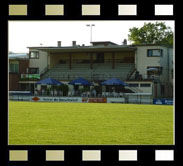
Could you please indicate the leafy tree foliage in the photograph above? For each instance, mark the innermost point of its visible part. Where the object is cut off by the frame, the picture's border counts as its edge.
(151, 33)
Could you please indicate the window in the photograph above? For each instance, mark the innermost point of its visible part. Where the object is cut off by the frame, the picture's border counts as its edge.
(133, 85)
(154, 52)
(34, 55)
(14, 68)
(145, 85)
(33, 70)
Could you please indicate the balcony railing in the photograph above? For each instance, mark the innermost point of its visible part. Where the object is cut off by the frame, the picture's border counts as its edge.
(88, 61)
(44, 70)
(146, 77)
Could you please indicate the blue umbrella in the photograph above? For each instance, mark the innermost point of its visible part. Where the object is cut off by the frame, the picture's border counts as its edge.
(114, 81)
(80, 81)
(49, 81)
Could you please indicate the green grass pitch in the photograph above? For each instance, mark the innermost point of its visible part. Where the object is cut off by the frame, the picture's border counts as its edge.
(38, 123)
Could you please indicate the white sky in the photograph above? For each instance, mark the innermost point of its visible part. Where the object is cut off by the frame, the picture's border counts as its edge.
(23, 34)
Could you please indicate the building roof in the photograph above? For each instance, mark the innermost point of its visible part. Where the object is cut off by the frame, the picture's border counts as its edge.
(103, 46)
(18, 56)
(168, 46)
(105, 43)
(87, 48)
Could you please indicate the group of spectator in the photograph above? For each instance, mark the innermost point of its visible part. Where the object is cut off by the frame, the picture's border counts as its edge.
(52, 92)
(91, 93)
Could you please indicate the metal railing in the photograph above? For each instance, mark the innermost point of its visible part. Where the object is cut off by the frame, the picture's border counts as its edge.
(91, 77)
(135, 89)
(146, 77)
(44, 70)
(99, 72)
(88, 61)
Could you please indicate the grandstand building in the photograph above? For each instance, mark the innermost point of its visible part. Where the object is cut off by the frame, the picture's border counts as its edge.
(146, 68)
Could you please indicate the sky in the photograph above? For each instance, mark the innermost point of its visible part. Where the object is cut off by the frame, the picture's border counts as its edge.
(23, 34)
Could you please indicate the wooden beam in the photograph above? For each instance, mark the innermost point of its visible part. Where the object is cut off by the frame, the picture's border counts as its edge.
(70, 61)
(91, 61)
(113, 60)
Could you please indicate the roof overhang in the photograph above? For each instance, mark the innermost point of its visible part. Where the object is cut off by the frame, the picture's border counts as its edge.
(18, 59)
(84, 49)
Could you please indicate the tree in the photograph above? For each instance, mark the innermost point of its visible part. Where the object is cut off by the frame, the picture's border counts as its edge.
(151, 33)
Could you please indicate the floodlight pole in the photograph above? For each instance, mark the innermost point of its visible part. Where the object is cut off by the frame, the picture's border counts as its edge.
(90, 25)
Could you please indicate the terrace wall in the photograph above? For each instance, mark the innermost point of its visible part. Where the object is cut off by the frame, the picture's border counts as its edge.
(13, 81)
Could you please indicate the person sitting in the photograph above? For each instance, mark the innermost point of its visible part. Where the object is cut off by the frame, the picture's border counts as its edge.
(36, 92)
(60, 93)
(43, 92)
(94, 93)
(39, 92)
(51, 92)
(88, 94)
(82, 94)
(103, 94)
(73, 92)
(137, 75)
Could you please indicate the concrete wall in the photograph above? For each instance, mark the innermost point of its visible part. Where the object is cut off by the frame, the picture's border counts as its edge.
(140, 88)
(143, 61)
(140, 99)
(40, 63)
